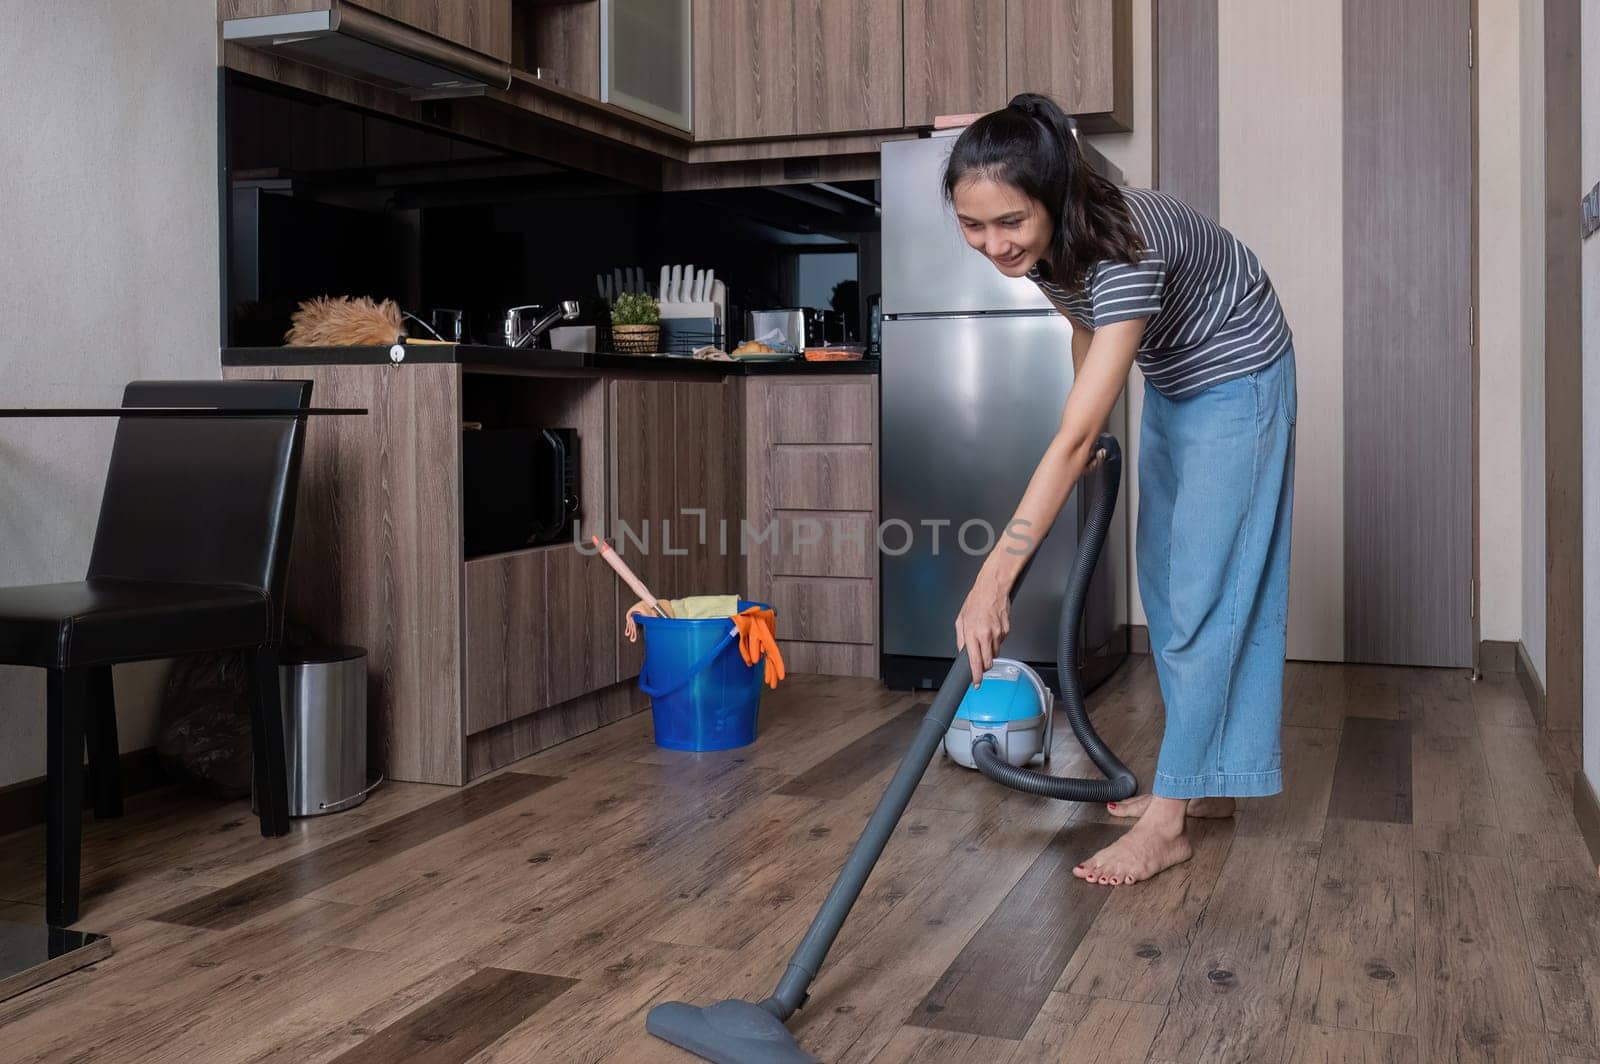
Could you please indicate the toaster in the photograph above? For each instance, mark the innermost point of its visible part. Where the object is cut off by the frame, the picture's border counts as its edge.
(791, 323)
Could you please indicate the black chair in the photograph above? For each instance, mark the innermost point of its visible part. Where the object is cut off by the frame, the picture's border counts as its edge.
(190, 556)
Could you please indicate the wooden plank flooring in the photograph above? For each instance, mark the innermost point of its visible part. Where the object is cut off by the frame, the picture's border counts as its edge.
(1419, 892)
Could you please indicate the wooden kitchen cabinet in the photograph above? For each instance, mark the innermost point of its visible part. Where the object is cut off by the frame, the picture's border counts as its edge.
(582, 623)
(675, 451)
(744, 69)
(955, 58)
(482, 25)
(811, 489)
(1078, 52)
(708, 432)
(849, 72)
(507, 673)
(642, 494)
(815, 83)
(561, 41)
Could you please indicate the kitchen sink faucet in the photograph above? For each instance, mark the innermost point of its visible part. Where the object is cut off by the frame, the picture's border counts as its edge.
(514, 334)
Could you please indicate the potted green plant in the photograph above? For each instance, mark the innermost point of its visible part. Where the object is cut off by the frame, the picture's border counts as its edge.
(636, 323)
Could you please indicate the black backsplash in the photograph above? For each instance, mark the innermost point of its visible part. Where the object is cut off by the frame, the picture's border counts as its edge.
(327, 200)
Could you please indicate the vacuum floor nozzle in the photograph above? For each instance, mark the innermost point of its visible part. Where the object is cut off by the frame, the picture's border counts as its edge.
(729, 1032)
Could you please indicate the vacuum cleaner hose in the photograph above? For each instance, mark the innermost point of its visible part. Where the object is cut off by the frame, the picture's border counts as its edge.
(1119, 783)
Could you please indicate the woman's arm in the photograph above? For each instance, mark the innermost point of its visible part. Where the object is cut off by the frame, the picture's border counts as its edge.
(1082, 337)
(1102, 372)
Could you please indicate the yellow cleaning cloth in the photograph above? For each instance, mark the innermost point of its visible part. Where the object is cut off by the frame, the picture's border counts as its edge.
(695, 607)
(699, 607)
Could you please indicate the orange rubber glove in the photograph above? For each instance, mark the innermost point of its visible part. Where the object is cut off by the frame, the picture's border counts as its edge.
(756, 638)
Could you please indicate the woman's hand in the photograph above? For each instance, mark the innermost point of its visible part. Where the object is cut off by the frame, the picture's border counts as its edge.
(984, 622)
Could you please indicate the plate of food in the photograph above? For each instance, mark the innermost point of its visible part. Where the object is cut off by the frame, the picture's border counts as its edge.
(755, 351)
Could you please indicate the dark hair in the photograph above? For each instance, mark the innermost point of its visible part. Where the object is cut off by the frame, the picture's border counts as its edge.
(1029, 144)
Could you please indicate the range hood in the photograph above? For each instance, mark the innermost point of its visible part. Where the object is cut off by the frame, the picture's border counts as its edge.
(371, 48)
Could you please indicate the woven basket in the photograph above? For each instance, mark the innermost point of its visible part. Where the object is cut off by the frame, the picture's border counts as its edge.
(636, 339)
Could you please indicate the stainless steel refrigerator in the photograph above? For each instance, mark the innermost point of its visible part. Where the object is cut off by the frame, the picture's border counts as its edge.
(976, 367)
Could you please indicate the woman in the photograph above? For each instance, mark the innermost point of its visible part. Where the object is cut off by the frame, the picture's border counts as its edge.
(1145, 279)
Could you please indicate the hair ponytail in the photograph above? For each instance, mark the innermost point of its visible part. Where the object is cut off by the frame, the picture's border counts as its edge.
(1032, 145)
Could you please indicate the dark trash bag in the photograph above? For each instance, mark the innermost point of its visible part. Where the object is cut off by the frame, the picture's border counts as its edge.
(205, 725)
(204, 742)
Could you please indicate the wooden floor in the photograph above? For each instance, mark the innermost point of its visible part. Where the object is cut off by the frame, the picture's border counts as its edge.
(1419, 893)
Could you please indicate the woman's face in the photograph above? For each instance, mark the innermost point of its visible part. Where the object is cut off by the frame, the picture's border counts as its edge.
(1011, 228)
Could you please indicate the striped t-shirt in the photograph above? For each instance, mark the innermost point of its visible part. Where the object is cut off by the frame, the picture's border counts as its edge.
(1213, 313)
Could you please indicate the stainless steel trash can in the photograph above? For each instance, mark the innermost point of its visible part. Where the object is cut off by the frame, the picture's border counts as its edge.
(324, 694)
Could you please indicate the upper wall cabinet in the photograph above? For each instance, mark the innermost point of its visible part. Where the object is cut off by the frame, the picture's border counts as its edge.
(687, 80)
(482, 25)
(848, 65)
(779, 68)
(422, 49)
(744, 69)
(955, 58)
(561, 42)
(1078, 52)
(647, 58)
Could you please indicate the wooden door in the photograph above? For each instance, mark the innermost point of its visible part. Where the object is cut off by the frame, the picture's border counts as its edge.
(482, 25)
(642, 494)
(744, 69)
(849, 68)
(1407, 342)
(955, 58)
(1067, 50)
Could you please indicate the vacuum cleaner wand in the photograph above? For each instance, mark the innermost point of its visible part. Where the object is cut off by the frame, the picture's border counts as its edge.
(744, 1032)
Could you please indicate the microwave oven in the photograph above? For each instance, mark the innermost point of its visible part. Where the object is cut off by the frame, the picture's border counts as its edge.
(519, 487)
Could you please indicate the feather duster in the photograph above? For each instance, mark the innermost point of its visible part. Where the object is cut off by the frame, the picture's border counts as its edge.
(328, 321)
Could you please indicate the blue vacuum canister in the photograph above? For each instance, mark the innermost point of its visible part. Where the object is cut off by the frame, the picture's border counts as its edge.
(1013, 705)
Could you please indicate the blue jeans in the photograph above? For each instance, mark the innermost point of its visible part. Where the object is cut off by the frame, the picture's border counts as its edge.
(1216, 500)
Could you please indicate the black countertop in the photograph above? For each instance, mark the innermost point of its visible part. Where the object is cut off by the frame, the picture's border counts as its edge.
(495, 357)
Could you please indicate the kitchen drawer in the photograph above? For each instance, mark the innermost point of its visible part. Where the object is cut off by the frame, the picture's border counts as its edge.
(822, 543)
(842, 477)
(822, 413)
(505, 646)
(830, 659)
(825, 610)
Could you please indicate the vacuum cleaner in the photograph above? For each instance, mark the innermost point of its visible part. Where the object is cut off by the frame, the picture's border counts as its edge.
(999, 729)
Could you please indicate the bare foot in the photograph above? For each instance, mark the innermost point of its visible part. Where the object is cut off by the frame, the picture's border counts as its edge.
(1199, 808)
(1151, 846)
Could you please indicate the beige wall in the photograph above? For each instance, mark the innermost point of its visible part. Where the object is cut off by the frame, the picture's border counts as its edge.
(1501, 314)
(109, 215)
(1280, 182)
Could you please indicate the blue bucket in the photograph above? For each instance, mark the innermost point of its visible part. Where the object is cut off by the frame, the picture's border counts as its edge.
(702, 694)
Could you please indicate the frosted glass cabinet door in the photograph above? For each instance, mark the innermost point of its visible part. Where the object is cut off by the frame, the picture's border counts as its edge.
(647, 58)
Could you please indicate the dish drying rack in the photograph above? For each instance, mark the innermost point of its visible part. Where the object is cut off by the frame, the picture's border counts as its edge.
(693, 306)
(680, 337)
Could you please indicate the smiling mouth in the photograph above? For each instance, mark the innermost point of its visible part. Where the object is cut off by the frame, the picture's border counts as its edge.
(1011, 260)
